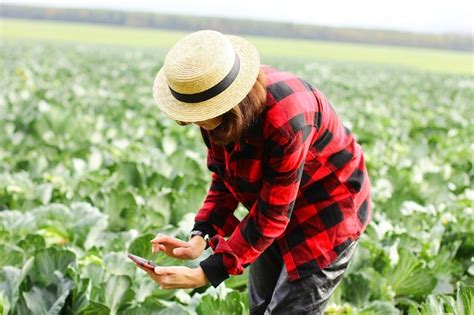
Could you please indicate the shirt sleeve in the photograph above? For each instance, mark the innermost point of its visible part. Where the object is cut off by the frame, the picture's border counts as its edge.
(270, 214)
(216, 215)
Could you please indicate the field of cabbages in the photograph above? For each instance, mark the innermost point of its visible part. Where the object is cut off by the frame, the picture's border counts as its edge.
(91, 170)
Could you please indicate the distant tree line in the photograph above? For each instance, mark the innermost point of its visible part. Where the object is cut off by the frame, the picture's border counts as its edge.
(240, 26)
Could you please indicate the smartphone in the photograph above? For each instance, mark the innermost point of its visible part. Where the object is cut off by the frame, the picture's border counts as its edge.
(142, 262)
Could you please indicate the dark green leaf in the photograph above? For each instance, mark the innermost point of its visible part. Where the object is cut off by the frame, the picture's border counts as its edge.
(49, 300)
(233, 304)
(378, 308)
(11, 256)
(51, 260)
(465, 298)
(118, 293)
(96, 308)
(141, 246)
(409, 278)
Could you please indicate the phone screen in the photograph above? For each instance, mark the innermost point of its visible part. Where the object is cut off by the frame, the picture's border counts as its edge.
(142, 262)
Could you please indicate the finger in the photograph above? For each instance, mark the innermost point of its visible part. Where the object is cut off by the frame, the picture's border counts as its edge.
(145, 269)
(168, 282)
(159, 271)
(165, 283)
(155, 277)
(167, 270)
(180, 251)
(165, 239)
(148, 270)
(156, 248)
(158, 235)
(169, 241)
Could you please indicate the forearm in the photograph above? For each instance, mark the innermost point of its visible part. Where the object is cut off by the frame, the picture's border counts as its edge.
(216, 215)
(245, 245)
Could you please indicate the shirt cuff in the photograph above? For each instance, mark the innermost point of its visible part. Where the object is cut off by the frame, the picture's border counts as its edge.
(204, 227)
(214, 269)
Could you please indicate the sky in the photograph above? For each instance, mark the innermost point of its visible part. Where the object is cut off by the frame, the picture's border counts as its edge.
(432, 16)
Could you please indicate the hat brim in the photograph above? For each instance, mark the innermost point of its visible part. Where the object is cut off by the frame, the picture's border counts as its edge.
(219, 104)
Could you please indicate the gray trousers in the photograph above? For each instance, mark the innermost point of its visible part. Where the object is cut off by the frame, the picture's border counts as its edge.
(271, 293)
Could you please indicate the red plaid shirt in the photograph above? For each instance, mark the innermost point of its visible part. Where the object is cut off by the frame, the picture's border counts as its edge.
(300, 174)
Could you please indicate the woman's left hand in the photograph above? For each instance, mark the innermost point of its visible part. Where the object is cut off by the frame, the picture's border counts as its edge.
(178, 277)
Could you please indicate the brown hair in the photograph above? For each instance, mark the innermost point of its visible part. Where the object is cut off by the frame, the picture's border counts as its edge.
(242, 116)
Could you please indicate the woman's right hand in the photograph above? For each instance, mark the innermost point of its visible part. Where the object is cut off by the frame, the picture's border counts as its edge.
(179, 249)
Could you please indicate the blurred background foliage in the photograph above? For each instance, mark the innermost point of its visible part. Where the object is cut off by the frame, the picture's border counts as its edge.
(90, 170)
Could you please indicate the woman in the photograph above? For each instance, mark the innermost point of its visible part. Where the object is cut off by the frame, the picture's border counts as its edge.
(276, 146)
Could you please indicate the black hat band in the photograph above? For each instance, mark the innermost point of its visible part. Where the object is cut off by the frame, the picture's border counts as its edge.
(213, 91)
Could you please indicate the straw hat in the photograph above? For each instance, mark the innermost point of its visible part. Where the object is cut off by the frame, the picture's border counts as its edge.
(204, 75)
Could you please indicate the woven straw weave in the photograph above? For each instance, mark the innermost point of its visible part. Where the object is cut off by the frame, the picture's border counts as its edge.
(196, 63)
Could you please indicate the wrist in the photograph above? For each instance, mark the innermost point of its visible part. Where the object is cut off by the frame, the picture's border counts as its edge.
(201, 236)
(198, 241)
(200, 276)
